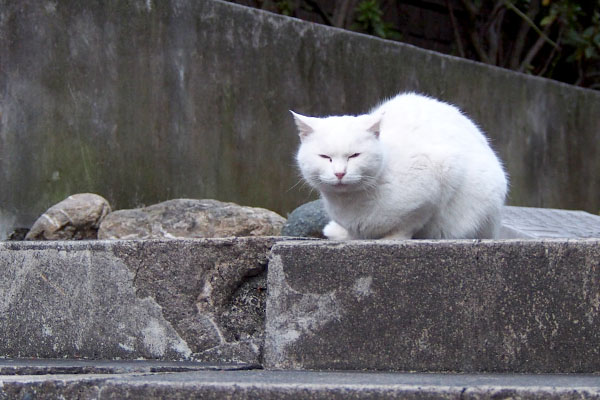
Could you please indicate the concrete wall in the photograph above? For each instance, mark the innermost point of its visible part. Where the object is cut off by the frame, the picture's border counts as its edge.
(144, 100)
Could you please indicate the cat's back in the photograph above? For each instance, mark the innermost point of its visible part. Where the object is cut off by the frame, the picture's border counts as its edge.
(446, 161)
(415, 107)
(414, 117)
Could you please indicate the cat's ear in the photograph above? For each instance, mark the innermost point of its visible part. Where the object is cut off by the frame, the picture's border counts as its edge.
(304, 125)
(375, 126)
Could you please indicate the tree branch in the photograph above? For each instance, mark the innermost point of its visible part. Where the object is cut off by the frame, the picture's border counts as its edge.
(457, 38)
(552, 53)
(580, 74)
(473, 11)
(494, 33)
(520, 39)
(473, 35)
(537, 46)
(340, 13)
(315, 5)
(532, 24)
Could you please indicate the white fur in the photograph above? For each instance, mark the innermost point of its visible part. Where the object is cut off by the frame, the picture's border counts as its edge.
(414, 167)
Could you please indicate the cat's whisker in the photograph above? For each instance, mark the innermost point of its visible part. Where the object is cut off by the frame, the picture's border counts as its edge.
(300, 181)
(309, 195)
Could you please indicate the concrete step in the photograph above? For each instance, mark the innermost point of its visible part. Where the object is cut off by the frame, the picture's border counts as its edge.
(437, 306)
(157, 299)
(135, 381)
(461, 306)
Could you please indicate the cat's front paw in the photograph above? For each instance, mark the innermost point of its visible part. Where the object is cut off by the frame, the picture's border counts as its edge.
(334, 231)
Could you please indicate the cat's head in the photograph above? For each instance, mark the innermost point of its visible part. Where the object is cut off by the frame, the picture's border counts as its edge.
(339, 154)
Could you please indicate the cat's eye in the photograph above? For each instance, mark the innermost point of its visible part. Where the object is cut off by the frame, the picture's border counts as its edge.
(325, 157)
(354, 155)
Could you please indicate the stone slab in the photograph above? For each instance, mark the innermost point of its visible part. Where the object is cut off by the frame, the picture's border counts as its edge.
(159, 299)
(537, 223)
(464, 306)
(301, 385)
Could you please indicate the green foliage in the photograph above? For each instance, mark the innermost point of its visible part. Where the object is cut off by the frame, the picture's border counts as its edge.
(583, 41)
(558, 39)
(368, 19)
(285, 7)
(578, 31)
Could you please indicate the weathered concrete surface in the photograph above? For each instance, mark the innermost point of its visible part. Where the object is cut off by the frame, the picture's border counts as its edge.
(82, 367)
(464, 306)
(176, 299)
(143, 101)
(301, 385)
(536, 223)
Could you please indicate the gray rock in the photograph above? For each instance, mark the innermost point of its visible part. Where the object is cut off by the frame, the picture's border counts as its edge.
(18, 234)
(76, 217)
(308, 220)
(161, 299)
(526, 306)
(188, 218)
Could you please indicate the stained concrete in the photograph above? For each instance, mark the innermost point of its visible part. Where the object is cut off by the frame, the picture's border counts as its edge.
(143, 101)
(228, 384)
(168, 300)
(464, 306)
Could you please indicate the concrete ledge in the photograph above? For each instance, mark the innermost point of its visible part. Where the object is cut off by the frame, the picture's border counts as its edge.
(300, 385)
(94, 367)
(169, 300)
(464, 306)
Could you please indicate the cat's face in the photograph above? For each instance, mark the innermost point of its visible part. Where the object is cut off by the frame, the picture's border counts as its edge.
(339, 154)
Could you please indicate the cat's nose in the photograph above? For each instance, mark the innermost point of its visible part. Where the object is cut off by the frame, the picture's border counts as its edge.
(340, 175)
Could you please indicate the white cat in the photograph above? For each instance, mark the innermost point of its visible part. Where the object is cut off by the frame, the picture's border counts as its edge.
(414, 167)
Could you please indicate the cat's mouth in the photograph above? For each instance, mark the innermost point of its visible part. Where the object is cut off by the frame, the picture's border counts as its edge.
(343, 186)
(338, 185)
